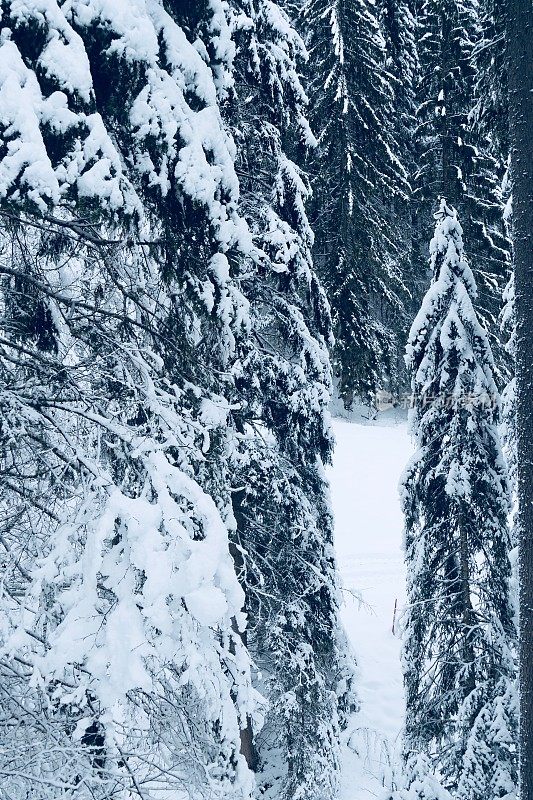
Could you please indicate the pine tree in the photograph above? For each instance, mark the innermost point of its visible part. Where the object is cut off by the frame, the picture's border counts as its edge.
(491, 108)
(459, 641)
(359, 211)
(123, 669)
(281, 504)
(455, 155)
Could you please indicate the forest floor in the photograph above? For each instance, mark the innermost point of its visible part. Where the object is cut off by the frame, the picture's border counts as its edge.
(369, 460)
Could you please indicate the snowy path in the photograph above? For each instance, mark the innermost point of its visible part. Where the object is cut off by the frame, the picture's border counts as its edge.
(368, 462)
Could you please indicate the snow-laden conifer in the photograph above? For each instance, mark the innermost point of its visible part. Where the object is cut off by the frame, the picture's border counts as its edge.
(508, 326)
(459, 635)
(419, 781)
(456, 154)
(281, 504)
(359, 210)
(124, 672)
(491, 108)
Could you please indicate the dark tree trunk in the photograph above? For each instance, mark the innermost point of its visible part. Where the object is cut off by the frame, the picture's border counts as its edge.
(248, 749)
(520, 57)
(469, 620)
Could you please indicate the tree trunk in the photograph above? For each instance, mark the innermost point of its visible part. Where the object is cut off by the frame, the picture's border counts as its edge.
(469, 620)
(520, 63)
(247, 734)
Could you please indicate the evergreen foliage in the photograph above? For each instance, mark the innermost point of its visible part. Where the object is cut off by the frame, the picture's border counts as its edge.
(123, 670)
(491, 108)
(420, 782)
(360, 208)
(459, 641)
(284, 524)
(455, 155)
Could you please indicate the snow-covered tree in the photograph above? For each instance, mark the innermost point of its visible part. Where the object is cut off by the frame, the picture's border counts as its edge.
(455, 156)
(491, 107)
(508, 326)
(488, 767)
(398, 26)
(284, 522)
(459, 637)
(359, 211)
(123, 668)
(419, 781)
(490, 119)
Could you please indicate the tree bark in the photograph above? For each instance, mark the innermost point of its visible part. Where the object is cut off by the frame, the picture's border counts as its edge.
(520, 63)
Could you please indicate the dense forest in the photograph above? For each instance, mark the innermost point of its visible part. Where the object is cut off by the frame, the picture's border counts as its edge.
(216, 217)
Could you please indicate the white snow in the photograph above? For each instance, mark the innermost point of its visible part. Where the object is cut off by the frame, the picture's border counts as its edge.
(368, 462)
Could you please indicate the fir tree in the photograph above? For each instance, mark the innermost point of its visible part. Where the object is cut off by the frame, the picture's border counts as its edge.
(459, 642)
(491, 109)
(490, 119)
(508, 326)
(399, 25)
(284, 523)
(123, 669)
(359, 210)
(455, 157)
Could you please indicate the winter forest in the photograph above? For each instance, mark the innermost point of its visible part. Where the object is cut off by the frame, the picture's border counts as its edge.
(266, 399)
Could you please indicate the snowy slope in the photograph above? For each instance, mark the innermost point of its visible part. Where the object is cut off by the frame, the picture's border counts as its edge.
(368, 461)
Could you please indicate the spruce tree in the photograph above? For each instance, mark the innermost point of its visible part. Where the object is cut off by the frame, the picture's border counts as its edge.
(490, 119)
(491, 107)
(124, 671)
(455, 154)
(509, 432)
(359, 211)
(283, 517)
(398, 26)
(459, 641)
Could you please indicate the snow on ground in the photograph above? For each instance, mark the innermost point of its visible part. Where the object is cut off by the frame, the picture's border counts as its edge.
(368, 462)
